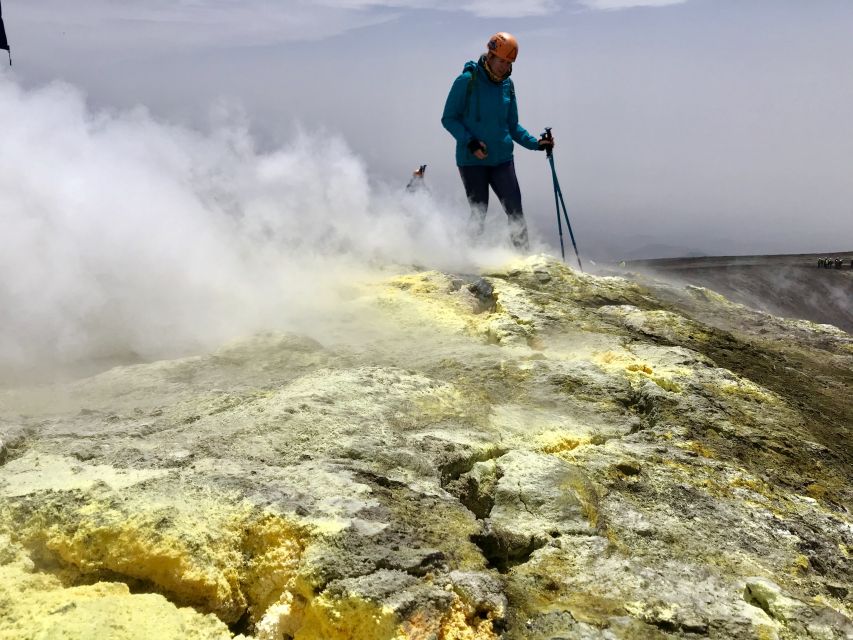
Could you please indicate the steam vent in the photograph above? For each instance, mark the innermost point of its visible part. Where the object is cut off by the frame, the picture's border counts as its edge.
(526, 453)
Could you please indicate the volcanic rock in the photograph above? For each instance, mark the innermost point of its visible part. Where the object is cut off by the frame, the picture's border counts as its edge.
(537, 454)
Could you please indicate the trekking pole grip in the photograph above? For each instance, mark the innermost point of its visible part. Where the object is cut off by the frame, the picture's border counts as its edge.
(547, 136)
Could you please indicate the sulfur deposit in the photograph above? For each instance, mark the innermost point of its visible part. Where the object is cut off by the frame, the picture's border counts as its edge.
(525, 453)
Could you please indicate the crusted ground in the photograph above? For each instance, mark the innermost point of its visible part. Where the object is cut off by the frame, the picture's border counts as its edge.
(525, 453)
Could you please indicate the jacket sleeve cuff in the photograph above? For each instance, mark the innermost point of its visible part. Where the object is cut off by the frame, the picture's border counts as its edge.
(532, 143)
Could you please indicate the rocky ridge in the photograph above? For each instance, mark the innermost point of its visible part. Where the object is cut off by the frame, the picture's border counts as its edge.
(525, 453)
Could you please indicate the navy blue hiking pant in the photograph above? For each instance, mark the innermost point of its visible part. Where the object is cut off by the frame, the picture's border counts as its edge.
(501, 178)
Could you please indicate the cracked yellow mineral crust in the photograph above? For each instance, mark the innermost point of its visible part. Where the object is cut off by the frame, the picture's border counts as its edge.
(35, 604)
(199, 548)
(528, 453)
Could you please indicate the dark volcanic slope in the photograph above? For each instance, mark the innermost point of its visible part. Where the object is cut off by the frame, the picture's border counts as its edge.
(785, 285)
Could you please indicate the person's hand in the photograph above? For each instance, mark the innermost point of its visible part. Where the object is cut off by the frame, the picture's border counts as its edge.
(546, 144)
(478, 148)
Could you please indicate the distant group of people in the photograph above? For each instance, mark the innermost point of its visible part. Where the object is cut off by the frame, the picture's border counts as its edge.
(829, 263)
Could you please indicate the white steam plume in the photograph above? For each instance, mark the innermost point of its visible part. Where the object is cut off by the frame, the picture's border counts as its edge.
(122, 235)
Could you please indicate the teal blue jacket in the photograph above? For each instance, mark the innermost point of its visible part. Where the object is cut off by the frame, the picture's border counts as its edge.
(487, 111)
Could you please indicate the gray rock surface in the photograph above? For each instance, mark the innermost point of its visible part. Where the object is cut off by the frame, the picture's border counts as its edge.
(530, 453)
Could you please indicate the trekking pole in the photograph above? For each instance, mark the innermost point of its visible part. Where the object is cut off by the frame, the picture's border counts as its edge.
(558, 200)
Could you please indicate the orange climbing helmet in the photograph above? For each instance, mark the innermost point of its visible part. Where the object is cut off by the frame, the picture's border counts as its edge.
(504, 45)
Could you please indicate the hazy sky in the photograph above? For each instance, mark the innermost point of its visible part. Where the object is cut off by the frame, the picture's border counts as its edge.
(722, 126)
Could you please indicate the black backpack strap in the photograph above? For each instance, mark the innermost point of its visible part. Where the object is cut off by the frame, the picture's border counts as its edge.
(469, 90)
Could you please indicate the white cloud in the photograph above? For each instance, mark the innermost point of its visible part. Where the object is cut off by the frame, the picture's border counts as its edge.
(187, 25)
(480, 8)
(610, 5)
(122, 234)
(498, 8)
(94, 25)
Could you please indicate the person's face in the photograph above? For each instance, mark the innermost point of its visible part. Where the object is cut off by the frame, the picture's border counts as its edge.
(499, 65)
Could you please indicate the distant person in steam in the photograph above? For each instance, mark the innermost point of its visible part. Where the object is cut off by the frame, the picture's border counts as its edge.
(482, 114)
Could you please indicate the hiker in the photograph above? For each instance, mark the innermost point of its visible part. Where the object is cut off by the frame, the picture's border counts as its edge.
(481, 113)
